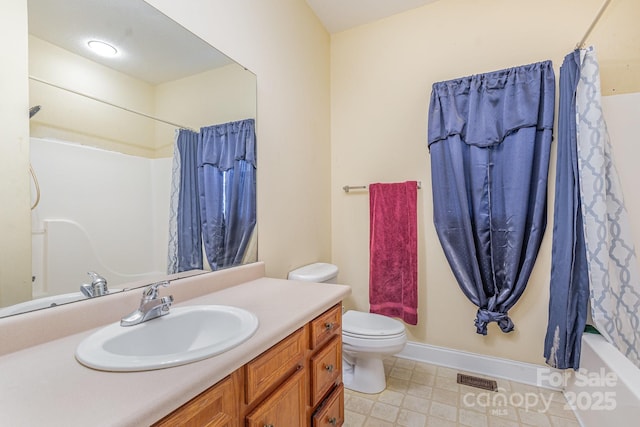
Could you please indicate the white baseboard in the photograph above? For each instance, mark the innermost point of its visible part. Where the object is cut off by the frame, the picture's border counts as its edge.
(490, 366)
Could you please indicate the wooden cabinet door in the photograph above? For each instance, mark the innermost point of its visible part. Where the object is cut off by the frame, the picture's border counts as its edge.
(274, 365)
(215, 407)
(326, 326)
(285, 407)
(331, 412)
(326, 369)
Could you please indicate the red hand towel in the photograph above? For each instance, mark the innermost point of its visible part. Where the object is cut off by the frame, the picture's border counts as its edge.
(393, 262)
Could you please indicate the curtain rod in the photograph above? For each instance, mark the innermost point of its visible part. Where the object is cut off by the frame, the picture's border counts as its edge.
(348, 188)
(111, 104)
(593, 24)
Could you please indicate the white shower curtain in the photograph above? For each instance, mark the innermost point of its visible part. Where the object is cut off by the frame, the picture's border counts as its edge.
(172, 251)
(612, 263)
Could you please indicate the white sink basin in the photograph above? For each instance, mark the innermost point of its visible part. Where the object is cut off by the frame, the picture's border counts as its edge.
(185, 335)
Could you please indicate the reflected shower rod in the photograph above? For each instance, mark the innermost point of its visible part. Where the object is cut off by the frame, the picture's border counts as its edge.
(37, 79)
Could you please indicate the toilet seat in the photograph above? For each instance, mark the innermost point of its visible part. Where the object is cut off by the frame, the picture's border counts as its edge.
(373, 337)
(366, 339)
(390, 345)
(370, 325)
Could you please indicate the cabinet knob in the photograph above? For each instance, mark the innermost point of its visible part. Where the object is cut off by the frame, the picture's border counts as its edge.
(332, 420)
(328, 326)
(329, 368)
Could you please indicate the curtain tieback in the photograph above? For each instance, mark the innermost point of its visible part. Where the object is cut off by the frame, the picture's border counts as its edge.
(484, 317)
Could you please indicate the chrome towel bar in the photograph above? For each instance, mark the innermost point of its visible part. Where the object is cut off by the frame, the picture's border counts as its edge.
(348, 188)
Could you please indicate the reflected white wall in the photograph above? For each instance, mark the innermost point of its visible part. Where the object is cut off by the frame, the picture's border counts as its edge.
(99, 210)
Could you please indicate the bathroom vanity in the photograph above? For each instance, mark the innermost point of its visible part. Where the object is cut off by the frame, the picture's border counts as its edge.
(288, 373)
(296, 380)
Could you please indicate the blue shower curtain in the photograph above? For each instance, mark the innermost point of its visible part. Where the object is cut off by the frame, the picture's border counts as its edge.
(227, 188)
(569, 294)
(489, 139)
(596, 258)
(185, 243)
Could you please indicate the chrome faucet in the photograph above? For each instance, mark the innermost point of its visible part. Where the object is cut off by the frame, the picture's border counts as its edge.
(151, 306)
(96, 288)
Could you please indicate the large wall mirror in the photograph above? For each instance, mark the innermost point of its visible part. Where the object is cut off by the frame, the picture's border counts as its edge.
(102, 136)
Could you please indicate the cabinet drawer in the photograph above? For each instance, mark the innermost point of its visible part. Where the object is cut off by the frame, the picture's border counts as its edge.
(215, 407)
(326, 368)
(274, 365)
(326, 325)
(331, 413)
(284, 407)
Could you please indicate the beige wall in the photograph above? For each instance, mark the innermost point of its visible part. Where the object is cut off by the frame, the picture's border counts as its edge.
(15, 222)
(230, 96)
(381, 77)
(284, 44)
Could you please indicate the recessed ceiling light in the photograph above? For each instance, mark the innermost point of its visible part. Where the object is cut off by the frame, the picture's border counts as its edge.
(102, 48)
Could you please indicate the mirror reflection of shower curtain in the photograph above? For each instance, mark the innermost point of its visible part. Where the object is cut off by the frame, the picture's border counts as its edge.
(213, 196)
(185, 231)
(227, 188)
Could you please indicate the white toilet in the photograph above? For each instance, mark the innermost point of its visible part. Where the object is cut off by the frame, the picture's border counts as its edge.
(366, 337)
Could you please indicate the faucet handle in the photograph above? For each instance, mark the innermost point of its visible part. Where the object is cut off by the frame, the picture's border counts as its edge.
(151, 291)
(97, 287)
(95, 277)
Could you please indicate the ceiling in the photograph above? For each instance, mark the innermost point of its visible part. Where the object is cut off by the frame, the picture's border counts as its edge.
(340, 15)
(151, 46)
(155, 49)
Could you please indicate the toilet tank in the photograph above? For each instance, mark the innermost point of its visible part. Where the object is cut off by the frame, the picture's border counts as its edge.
(319, 272)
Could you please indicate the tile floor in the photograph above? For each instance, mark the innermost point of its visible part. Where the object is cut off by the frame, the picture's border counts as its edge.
(423, 395)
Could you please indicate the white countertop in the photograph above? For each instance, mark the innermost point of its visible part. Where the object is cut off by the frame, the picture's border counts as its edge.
(44, 385)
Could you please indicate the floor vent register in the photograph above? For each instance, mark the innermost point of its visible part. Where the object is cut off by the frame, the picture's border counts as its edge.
(477, 382)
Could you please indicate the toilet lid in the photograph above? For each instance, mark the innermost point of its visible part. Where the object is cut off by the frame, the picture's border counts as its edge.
(370, 324)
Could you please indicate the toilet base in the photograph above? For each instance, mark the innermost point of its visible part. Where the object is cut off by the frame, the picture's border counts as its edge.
(366, 375)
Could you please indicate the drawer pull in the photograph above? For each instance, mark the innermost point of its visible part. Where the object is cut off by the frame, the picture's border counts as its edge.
(329, 368)
(268, 425)
(332, 420)
(328, 326)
